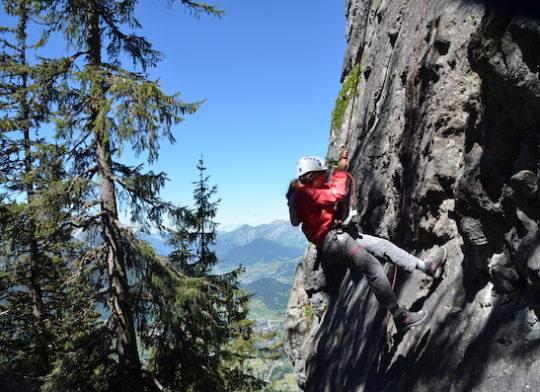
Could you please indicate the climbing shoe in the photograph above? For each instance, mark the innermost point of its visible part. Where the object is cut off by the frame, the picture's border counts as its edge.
(433, 265)
(405, 319)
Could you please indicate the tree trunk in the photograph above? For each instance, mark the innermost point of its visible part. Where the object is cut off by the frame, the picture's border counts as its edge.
(130, 371)
(36, 294)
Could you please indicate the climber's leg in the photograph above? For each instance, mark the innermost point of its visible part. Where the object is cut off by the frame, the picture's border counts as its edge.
(343, 247)
(381, 248)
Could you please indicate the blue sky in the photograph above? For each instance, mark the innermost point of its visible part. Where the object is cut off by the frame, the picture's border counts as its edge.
(269, 72)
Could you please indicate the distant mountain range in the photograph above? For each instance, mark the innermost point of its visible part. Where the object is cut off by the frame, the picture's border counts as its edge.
(271, 250)
(269, 253)
(259, 250)
(279, 231)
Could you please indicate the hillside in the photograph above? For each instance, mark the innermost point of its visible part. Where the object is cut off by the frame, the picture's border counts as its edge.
(272, 293)
(440, 112)
(267, 255)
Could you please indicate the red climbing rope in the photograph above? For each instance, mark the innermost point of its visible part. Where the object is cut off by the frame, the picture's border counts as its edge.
(412, 82)
(411, 86)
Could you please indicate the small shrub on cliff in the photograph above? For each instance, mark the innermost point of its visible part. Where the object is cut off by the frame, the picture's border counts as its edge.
(347, 92)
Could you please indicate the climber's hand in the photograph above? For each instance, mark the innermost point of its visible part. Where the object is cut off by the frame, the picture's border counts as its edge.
(343, 159)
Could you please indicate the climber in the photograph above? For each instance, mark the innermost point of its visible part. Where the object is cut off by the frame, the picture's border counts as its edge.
(312, 202)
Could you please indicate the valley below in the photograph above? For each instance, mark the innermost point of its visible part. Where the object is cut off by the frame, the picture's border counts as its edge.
(269, 255)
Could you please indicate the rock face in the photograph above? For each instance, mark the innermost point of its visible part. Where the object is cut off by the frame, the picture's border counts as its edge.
(440, 111)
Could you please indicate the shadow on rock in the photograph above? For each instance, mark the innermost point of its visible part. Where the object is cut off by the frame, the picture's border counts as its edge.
(346, 343)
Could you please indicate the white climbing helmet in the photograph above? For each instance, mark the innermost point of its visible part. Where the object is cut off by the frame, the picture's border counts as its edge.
(308, 164)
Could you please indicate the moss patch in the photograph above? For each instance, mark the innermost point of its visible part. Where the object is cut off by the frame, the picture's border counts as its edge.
(348, 89)
(308, 311)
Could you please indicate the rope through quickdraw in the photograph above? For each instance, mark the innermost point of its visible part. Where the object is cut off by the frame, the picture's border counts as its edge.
(411, 114)
(410, 122)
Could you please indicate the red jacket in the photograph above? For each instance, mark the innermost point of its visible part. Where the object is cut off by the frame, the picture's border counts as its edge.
(315, 207)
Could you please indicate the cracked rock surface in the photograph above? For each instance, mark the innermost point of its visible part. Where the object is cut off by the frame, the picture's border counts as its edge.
(443, 132)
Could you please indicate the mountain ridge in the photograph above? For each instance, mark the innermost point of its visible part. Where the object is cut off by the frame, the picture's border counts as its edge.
(259, 250)
(279, 231)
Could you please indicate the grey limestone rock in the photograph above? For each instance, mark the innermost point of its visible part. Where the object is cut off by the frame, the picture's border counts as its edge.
(443, 132)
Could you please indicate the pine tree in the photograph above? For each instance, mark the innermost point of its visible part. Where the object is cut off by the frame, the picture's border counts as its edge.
(199, 229)
(65, 254)
(106, 109)
(201, 336)
(36, 244)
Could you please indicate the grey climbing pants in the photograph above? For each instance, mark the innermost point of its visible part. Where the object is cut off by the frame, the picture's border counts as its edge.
(341, 247)
(384, 249)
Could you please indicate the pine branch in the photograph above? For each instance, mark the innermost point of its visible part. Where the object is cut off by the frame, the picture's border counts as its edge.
(138, 48)
(88, 221)
(83, 152)
(89, 173)
(78, 54)
(7, 44)
(197, 8)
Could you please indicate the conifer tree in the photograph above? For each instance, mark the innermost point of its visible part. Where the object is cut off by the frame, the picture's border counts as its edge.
(109, 108)
(36, 244)
(29, 187)
(199, 228)
(201, 337)
(51, 284)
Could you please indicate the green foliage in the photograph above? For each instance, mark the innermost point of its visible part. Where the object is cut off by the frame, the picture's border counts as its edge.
(105, 109)
(347, 92)
(80, 294)
(87, 367)
(134, 109)
(199, 334)
(310, 315)
(271, 292)
(38, 308)
(71, 310)
(197, 8)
